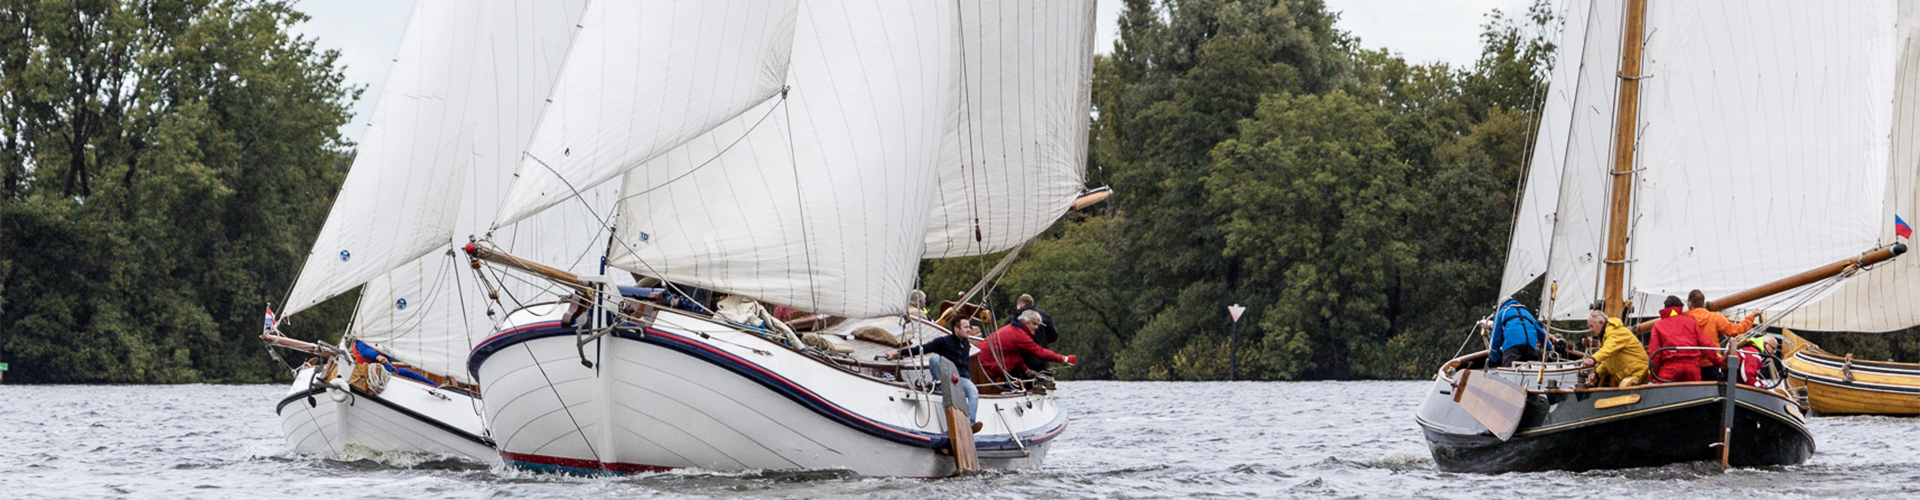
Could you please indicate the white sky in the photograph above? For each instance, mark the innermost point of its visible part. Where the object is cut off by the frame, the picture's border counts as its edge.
(367, 34)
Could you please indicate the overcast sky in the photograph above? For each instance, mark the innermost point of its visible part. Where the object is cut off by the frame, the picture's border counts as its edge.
(367, 34)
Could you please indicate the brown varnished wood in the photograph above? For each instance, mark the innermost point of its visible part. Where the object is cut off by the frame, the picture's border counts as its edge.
(1627, 119)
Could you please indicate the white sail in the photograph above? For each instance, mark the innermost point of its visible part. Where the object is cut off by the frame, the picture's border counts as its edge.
(1762, 148)
(1764, 142)
(1879, 301)
(1533, 224)
(645, 76)
(392, 207)
(1579, 218)
(819, 200)
(1015, 154)
(430, 312)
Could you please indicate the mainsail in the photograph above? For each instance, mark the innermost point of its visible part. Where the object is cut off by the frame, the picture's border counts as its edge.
(1880, 301)
(391, 209)
(644, 77)
(818, 200)
(1763, 148)
(894, 139)
(1015, 152)
(427, 311)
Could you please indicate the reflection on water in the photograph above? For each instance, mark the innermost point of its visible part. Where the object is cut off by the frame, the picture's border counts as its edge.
(1127, 440)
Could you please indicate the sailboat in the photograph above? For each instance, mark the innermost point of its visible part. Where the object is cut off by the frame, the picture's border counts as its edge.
(805, 155)
(461, 100)
(1738, 148)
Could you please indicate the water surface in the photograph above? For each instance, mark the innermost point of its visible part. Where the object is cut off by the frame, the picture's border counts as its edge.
(1126, 440)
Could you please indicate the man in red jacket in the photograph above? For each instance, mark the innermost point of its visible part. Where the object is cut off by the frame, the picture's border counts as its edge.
(1000, 353)
(1676, 329)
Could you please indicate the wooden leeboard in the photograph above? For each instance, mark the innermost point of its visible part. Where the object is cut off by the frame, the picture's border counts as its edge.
(1495, 403)
(966, 460)
(960, 431)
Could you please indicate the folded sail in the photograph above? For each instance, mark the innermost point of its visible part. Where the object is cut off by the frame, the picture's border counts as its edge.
(818, 200)
(1764, 142)
(392, 207)
(1015, 153)
(643, 77)
(430, 312)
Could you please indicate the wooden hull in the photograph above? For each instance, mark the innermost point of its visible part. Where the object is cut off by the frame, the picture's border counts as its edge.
(1836, 386)
(1590, 429)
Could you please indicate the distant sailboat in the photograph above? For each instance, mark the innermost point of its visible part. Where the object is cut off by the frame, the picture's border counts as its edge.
(805, 154)
(460, 102)
(1685, 145)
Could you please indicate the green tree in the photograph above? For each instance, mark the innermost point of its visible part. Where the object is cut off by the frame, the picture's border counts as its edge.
(170, 161)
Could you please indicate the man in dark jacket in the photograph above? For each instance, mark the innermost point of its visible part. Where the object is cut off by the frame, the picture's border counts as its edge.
(955, 348)
(1045, 335)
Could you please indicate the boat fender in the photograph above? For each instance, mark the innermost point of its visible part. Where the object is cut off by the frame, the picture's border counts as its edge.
(337, 389)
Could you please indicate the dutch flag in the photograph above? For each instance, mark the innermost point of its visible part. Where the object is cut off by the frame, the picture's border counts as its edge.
(269, 317)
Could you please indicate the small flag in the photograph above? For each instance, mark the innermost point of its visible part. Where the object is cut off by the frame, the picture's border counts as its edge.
(269, 316)
(1901, 229)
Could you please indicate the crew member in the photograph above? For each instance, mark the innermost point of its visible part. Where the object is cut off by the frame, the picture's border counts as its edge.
(1751, 358)
(1000, 353)
(1516, 335)
(954, 347)
(1621, 360)
(1676, 329)
(367, 354)
(1714, 329)
(1045, 335)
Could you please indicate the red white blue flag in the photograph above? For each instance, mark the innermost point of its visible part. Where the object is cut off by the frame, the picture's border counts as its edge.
(269, 316)
(1901, 229)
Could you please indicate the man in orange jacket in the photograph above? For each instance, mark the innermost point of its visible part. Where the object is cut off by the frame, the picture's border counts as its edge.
(1675, 329)
(1713, 329)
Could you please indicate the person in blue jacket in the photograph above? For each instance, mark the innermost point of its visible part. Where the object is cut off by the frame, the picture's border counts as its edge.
(1516, 335)
(367, 354)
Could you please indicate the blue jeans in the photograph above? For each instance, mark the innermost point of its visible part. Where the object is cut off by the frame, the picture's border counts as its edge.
(971, 391)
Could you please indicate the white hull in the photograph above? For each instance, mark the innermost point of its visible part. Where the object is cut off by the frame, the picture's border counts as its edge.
(407, 417)
(670, 399)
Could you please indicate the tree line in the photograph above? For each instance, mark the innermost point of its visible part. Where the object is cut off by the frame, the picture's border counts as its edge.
(164, 165)
(1357, 204)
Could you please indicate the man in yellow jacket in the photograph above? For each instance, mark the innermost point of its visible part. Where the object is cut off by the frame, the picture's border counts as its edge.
(1714, 329)
(1621, 359)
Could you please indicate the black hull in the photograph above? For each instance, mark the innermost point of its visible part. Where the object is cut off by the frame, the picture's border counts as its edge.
(1669, 424)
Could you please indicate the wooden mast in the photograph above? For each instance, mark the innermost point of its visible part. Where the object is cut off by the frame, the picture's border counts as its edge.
(1626, 121)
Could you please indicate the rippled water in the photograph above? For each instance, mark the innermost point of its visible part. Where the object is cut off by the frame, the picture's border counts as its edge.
(1127, 440)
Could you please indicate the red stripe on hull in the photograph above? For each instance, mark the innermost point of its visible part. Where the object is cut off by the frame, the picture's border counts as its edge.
(576, 463)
